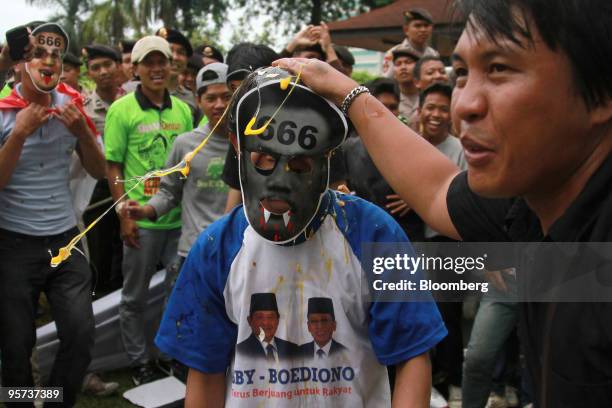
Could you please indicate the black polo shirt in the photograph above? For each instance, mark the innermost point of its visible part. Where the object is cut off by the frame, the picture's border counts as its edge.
(568, 346)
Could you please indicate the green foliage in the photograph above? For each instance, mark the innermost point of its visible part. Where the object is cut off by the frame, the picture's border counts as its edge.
(108, 21)
(363, 76)
(294, 14)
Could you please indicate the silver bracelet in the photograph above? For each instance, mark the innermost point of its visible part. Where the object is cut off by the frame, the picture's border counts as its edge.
(348, 100)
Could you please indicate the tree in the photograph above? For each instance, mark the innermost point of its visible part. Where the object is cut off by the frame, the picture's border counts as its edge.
(109, 20)
(68, 17)
(184, 14)
(297, 13)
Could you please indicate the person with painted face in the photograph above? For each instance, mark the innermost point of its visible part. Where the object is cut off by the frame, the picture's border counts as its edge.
(42, 123)
(298, 239)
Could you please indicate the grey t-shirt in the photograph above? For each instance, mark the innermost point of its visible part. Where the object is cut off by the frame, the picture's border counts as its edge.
(203, 193)
(37, 199)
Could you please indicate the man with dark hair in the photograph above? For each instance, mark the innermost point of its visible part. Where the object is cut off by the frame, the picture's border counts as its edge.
(533, 107)
(245, 58)
(404, 61)
(321, 322)
(263, 319)
(181, 52)
(387, 92)
(103, 242)
(346, 59)
(71, 71)
(188, 77)
(125, 77)
(140, 129)
(418, 26)
(202, 195)
(209, 54)
(41, 124)
(105, 249)
(428, 70)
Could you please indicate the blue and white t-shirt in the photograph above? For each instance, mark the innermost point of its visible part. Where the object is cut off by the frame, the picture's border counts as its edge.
(206, 325)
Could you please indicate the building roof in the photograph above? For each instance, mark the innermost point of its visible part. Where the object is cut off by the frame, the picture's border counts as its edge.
(381, 28)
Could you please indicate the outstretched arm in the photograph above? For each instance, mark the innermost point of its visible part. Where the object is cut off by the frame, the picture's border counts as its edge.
(415, 169)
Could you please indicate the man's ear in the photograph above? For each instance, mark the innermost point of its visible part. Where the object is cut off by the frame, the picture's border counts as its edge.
(602, 114)
(234, 140)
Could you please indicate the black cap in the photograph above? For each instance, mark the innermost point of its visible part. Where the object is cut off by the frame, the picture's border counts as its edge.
(125, 46)
(321, 305)
(71, 59)
(175, 37)
(93, 51)
(404, 52)
(418, 13)
(195, 62)
(210, 52)
(344, 54)
(263, 301)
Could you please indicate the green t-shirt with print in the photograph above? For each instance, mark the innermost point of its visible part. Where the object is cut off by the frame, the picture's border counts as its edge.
(140, 136)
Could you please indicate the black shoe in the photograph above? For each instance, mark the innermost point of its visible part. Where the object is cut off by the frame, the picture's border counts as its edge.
(144, 374)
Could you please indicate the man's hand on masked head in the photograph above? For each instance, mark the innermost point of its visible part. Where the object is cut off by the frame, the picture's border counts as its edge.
(73, 119)
(29, 119)
(319, 76)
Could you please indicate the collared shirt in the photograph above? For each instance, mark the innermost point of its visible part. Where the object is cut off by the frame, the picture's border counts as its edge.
(408, 104)
(97, 108)
(568, 345)
(325, 349)
(37, 200)
(140, 135)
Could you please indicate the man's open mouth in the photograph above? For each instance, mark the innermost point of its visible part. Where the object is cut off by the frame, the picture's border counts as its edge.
(46, 75)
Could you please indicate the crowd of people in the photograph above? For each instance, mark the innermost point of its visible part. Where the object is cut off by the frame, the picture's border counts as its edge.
(261, 239)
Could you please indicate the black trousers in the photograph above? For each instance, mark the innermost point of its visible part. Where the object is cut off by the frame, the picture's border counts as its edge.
(25, 272)
(104, 243)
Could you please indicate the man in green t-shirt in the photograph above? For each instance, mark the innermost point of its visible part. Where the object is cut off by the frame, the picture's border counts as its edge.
(139, 133)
